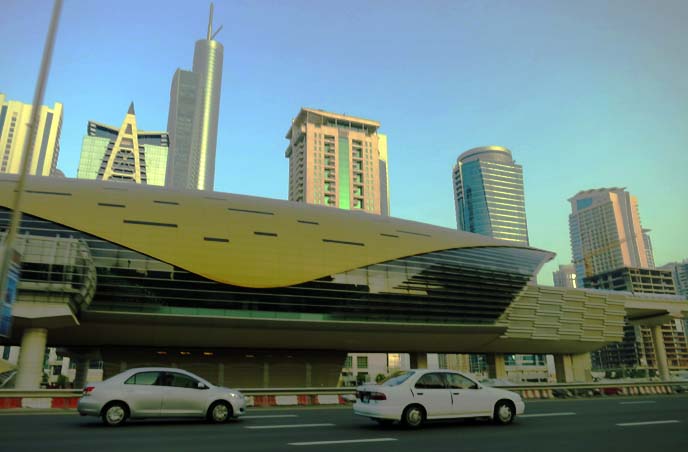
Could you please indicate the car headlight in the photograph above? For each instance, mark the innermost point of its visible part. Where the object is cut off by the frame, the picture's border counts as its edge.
(236, 395)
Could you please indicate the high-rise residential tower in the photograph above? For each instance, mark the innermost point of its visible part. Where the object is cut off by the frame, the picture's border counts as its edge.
(488, 194)
(605, 232)
(193, 117)
(565, 276)
(14, 119)
(339, 161)
(124, 154)
(679, 271)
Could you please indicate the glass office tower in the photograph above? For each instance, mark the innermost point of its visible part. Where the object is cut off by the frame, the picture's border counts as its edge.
(488, 194)
(193, 117)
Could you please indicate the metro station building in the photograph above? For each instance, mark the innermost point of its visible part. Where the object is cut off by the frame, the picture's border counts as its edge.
(255, 292)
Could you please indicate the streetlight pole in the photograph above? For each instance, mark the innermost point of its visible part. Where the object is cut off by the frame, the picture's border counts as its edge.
(25, 158)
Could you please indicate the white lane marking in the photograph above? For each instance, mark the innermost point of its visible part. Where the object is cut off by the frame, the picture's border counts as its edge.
(567, 413)
(632, 424)
(255, 427)
(637, 403)
(344, 441)
(266, 416)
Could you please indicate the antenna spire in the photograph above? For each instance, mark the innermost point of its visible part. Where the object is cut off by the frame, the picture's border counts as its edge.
(210, 22)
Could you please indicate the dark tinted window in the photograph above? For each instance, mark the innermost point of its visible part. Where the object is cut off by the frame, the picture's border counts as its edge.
(456, 381)
(431, 381)
(183, 381)
(143, 378)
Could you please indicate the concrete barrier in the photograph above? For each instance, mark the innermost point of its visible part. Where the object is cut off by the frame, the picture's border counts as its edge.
(68, 399)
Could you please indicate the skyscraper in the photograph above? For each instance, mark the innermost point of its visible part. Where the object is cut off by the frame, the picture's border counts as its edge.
(193, 117)
(679, 271)
(565, 276)
(605, 232)
(124, 154)
(488, 194)
(14, 119)
(648, 249)
(339, 161)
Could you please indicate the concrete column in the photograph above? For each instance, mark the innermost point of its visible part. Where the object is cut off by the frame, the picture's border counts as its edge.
(582, 367)
(309, 375)
(31, 356)
(660, 352)
(496, 365)
(266, 374)
(81, 373)
(573, 368)
(220, 374)
(563, 367)
(419, 360)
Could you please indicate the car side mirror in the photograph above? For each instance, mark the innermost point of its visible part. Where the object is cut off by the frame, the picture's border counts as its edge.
(476, 386)
(202, 386)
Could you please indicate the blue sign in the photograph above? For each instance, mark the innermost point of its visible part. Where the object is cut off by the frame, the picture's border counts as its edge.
(10, 295)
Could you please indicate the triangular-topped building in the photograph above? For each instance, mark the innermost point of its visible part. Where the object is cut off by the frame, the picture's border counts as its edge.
(124, 154)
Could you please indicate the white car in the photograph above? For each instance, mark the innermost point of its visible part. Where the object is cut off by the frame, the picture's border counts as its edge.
(155, 392)
(415, 396)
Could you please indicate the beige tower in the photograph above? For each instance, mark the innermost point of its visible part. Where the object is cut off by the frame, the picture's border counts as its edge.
(14, 133)
(605, 232)
(339, 161)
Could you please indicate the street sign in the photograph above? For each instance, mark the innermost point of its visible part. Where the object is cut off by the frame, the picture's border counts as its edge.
(10, 295)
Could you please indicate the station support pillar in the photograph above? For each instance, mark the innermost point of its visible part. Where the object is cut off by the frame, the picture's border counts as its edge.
(418, 360)
(496, 365)
(660, 352)
(31, 358)
(572, 368)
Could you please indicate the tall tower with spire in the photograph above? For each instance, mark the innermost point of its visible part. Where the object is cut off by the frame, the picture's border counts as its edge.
(193, 117)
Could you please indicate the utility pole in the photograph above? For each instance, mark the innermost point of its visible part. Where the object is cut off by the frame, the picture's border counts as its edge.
(8, 251)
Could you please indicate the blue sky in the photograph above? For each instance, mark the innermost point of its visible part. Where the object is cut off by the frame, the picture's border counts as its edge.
(586, 94)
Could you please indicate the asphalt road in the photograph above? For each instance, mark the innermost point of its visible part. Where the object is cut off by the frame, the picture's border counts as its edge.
(611, 424)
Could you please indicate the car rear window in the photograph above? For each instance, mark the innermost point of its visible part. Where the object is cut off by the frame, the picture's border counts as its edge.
(143, 378)
(397, 379)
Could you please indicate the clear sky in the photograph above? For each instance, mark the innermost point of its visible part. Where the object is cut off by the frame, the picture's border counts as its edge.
(585, 93)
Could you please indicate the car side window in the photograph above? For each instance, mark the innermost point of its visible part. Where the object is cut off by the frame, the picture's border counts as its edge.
(431, 381)
(183, 381)
(143, 378)
(457, 381)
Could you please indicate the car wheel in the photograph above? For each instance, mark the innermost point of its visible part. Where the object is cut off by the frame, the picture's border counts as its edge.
(219, 412)
(115, 414)
(504, 412)
(413, 416)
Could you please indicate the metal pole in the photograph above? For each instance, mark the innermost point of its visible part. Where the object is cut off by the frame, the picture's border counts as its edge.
(25, 158)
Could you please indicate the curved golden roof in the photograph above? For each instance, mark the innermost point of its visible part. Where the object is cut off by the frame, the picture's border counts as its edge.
(234, 239)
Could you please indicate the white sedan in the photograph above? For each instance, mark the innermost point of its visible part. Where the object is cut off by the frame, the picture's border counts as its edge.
(415, 396)
(155, 392)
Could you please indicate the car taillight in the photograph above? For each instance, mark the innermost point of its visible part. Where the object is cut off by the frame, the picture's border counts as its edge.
(377, 396)
(88, 390)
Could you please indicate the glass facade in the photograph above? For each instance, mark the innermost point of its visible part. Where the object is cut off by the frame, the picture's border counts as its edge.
(344, 195)
(93, 151)
(457, 286)
(488, 188)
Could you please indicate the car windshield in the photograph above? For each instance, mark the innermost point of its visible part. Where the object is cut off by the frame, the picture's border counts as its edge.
(397, 378)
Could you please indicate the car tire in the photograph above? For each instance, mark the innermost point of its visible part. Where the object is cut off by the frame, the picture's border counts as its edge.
(219, 412)
(115, 414)
(504, 412)
(414, 416)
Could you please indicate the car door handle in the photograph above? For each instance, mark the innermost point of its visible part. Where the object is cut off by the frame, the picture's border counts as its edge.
(419, 393)
(456, 393)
